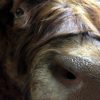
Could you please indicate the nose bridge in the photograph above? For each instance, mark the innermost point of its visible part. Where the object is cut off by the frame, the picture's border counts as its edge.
(82, 66)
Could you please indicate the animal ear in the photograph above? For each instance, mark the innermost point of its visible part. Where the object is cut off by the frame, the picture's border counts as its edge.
(6, 16)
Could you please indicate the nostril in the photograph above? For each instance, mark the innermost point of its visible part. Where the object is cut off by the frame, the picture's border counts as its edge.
(65, 72)
(69, 75)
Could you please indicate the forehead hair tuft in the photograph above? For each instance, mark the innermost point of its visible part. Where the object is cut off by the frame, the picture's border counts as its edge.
(65, 16)
(57, 17)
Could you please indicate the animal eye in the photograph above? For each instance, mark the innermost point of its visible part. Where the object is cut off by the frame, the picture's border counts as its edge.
(19, 12)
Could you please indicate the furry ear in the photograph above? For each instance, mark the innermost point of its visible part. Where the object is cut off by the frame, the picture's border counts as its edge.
(6, 16)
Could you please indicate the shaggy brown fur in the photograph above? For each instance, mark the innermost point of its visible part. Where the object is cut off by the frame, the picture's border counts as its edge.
(49, 30)
(53, 18)
(45, 22)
